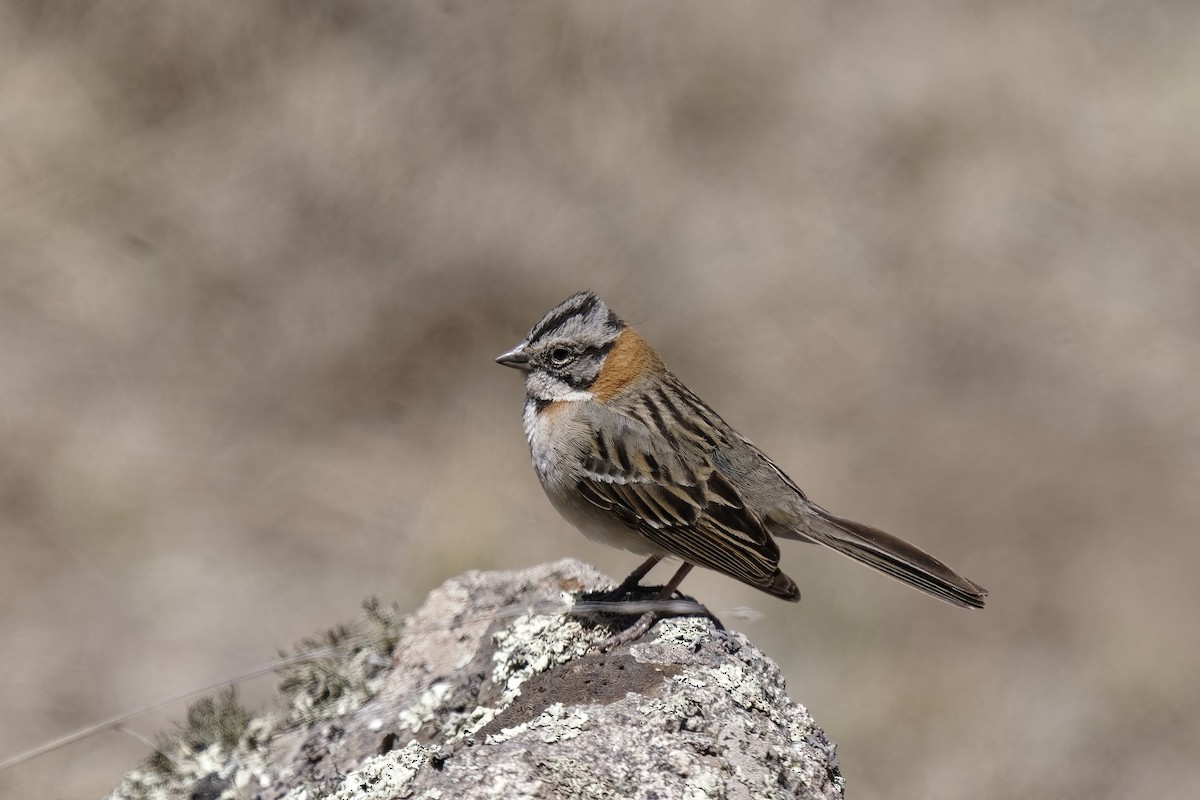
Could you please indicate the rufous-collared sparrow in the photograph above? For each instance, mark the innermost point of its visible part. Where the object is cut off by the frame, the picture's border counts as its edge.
(633, 458)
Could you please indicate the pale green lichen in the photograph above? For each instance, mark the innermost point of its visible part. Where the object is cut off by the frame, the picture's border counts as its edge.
(570, 777)
(217, 729)
(469, 723)
(449, 723)
(704, 786)
(678, 705)
(744, 689)
(691, 632)
(388, 775)
(223, 755)
(424, 711)
(553, 725)
(336, 672)
(749, 690)
(223, 744)
(534, 643)
(531, 644)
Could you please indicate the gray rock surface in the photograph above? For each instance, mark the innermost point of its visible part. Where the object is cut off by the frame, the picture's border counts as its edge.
(488, 694)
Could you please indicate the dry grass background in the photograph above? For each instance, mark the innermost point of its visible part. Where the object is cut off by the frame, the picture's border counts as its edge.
(941, 260)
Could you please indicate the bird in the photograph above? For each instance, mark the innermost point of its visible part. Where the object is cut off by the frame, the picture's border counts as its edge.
(633, 458)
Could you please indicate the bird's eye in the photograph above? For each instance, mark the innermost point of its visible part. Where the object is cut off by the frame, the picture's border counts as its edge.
(561, 356)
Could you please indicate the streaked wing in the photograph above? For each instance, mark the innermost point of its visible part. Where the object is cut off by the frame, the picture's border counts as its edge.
(682, 503)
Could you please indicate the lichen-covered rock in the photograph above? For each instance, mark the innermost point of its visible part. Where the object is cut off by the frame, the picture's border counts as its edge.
(495, 690)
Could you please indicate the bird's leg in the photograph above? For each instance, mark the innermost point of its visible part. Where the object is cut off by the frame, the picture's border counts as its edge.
(635, 578)
(647, 620)
(613, 597)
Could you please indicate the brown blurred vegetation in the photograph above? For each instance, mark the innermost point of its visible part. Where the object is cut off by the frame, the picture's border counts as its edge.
(941, 260)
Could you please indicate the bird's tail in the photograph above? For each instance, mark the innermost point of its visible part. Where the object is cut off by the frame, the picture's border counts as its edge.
(892, 556)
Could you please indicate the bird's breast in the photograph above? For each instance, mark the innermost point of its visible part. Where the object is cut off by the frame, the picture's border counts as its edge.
(559, 437)
(555, 435)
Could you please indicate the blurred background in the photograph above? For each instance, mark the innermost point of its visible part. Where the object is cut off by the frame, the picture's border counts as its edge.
(940, 260)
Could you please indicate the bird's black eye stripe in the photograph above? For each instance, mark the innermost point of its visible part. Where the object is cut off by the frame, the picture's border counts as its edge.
(598, 350)
(562, 355)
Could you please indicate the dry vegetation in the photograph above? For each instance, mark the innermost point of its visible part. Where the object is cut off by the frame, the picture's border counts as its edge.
(941, 260)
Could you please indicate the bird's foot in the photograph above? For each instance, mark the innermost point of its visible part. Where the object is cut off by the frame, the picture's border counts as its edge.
(609, 606)
(634, 632)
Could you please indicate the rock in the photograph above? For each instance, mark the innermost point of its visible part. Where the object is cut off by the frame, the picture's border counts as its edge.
(487, 694)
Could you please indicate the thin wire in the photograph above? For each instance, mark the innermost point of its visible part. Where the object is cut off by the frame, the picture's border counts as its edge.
(121, 719)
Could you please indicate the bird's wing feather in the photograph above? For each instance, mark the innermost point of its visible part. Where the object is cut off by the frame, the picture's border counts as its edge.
(685, 505)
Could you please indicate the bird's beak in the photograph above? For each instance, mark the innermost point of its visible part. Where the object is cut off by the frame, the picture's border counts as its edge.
(515, 358)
